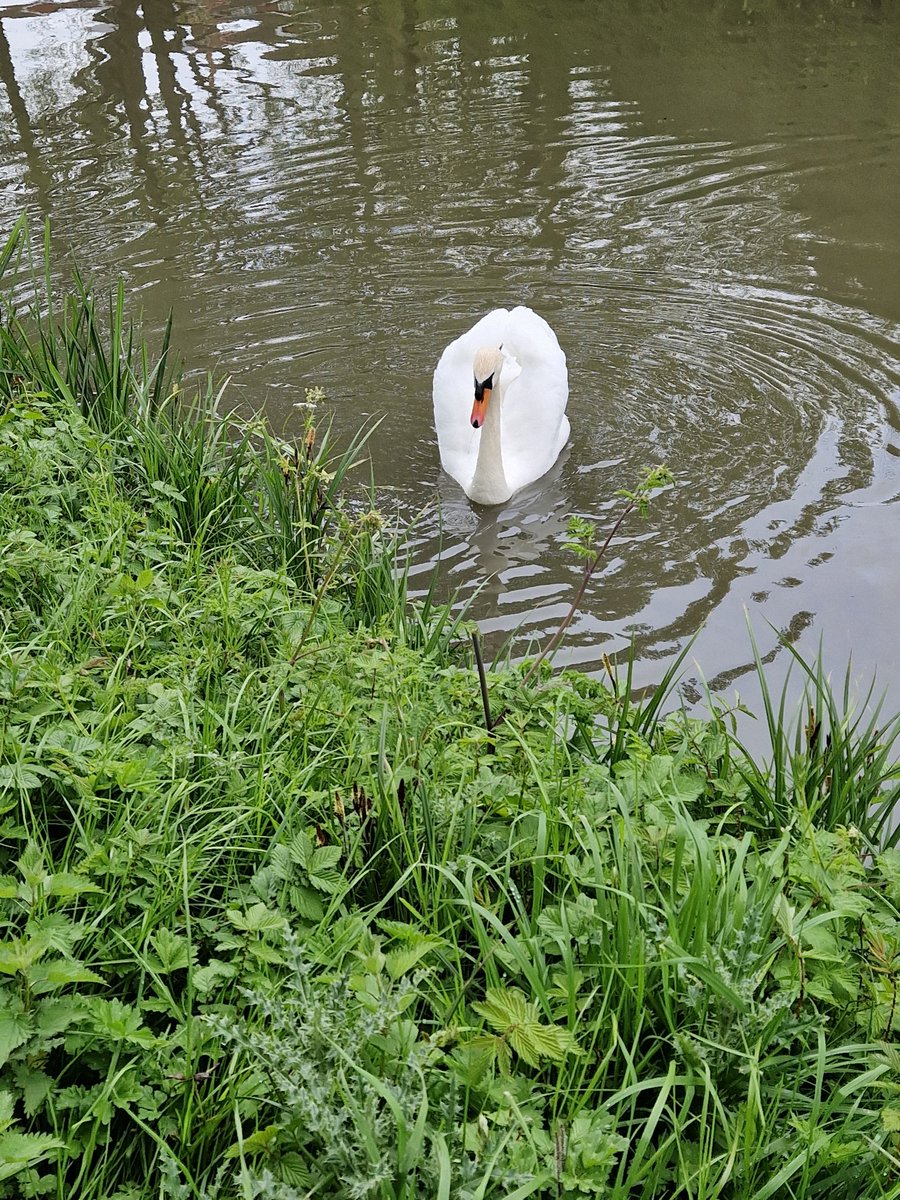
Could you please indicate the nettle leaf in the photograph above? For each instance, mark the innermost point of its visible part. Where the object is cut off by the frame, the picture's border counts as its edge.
(258, 919)
(66, 884)
(57, 1014)
(15, 1029)
(403, 931)
(32, 866)
(35, 1086)
(58, 932)
(890, 1119)
(19, 955)
(20, 1150)
(59, 971)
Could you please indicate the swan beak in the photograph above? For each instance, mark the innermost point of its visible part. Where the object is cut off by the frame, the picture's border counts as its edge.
(479, 408)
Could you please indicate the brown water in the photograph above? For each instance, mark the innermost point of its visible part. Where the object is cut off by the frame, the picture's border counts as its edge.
(702, 197)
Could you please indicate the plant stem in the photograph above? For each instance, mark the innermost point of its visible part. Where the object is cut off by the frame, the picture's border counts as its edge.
(579, 595)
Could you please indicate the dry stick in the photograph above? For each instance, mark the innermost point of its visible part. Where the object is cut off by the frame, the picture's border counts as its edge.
(588, 572)
(482, 679)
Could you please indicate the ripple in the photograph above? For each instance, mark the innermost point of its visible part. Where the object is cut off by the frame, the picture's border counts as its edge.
(709, 228)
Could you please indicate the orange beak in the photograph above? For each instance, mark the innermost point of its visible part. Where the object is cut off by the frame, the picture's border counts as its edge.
(479, 408)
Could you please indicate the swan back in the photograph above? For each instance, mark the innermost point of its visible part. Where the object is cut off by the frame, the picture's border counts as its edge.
(533, 390)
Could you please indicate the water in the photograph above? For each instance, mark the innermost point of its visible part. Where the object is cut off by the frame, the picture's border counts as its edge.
(701, 198)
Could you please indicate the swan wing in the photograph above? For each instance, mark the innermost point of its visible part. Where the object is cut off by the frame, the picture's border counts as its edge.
(535, 427)
(453, 392)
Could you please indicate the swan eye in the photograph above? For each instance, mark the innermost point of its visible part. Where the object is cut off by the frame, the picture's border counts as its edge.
(480, 387)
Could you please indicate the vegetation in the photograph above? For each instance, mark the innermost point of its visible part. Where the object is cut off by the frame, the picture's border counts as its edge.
(282, 917)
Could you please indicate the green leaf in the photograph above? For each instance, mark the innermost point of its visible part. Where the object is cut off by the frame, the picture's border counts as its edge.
(261, 1141)
(518, 1020)
(503, 1008)
(301, 850)
(22, 777)
(57, 1014)
(265, 952)
(118, 1022)
(282, 863)
(20, 954)
(399, 962)
(258, 919)
(205, 978)
(57, 972)
(292, 1170)
(472, 1060)
(21, 1150)
(66, 884)
(35, 1086)
(169, 490)
(533, 1041)
(330, 882)
(307, 903)
(173, 949)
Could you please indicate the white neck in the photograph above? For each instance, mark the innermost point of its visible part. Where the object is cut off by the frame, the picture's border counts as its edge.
(489, 484)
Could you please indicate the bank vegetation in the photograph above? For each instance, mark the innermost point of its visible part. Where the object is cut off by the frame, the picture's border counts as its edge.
(283, 917)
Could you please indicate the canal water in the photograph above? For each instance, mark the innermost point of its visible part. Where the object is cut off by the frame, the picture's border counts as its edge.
(702, 197)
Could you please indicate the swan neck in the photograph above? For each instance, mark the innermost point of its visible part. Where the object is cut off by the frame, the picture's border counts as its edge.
(489, 484)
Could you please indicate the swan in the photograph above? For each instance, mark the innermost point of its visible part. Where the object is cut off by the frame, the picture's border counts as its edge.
(510, 369)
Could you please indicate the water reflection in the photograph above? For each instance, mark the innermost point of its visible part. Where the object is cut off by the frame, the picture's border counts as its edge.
(701, 199)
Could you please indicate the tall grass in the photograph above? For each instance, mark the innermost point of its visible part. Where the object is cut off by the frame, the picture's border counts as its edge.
(833, 764)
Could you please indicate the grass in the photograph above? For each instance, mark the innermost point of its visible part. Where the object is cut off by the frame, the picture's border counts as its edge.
(282, 917)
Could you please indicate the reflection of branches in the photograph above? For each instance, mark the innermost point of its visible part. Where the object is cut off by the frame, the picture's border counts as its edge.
(23, 122)
(11, 85)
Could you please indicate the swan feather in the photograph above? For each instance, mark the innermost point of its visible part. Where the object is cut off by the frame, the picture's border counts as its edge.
(535, 391)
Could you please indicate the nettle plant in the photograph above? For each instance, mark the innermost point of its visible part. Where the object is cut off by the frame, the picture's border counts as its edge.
(40, 998)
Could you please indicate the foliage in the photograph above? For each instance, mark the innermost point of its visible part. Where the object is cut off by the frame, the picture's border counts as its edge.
(280, 917)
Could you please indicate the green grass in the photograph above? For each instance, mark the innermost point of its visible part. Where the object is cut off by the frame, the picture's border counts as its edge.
(281, 917)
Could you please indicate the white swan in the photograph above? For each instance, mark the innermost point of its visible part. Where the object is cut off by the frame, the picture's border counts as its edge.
(512, 364)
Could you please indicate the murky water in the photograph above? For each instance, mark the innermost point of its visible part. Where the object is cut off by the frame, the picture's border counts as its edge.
(702, 197)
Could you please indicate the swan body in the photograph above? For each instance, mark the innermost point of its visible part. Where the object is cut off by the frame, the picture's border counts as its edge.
(512, 365)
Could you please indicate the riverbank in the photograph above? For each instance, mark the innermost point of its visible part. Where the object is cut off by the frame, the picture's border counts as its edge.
(283, 918)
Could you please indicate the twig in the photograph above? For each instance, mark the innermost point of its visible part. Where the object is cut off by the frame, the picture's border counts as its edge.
(482, 679)
(588, 572)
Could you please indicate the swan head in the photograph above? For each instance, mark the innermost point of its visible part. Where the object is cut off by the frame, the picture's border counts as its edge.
(488, 361)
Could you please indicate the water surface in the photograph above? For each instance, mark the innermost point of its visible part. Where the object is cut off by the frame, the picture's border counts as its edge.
(701, 197)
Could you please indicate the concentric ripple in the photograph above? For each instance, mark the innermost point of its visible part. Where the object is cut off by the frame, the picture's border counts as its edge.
(704, 205)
